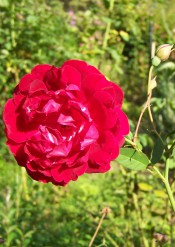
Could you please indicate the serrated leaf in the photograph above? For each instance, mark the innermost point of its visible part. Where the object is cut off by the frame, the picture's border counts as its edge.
(157, 151)
(132, 159)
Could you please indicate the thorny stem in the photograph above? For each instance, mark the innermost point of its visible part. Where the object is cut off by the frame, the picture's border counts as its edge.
(105, 211)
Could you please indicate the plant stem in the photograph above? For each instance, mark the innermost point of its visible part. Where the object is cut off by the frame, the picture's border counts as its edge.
(140, 118)
(149, 80)
(147, 105)
(170, 194)
(159, 173)
(167, 170)
(105, 212)
(166, 182)
(130, 142)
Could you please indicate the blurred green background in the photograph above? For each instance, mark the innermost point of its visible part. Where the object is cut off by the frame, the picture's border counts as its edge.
(115, 36)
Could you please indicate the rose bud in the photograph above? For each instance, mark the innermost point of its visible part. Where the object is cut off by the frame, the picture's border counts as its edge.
(163, 51)
(162, 54)
(64, 122)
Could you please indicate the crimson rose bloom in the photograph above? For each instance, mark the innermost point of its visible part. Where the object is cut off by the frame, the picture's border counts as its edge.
(63, 122)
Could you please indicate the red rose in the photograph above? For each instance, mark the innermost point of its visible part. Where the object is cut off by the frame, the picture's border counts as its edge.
(63, 122)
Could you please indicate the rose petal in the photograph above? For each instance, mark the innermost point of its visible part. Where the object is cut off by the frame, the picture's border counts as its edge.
(60, 150)
(105, 150)
(25, 82)
(118, 94)
(93, 83)
(71, 77)
(66, 173)
(52, 79)
(36, 85)
(38, 176)
(51, 106)
(122, 126)
(15, 123)
(40, 70)
(90, 137)
(95, 168)
(82, 67)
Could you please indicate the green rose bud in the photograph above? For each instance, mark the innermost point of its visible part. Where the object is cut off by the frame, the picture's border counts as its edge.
(163, 51)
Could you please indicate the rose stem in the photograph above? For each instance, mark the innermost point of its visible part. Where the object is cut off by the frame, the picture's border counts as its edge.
(141, 115)
(147, 104)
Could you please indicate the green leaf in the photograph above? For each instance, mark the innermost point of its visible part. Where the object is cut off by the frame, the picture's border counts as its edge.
(157, 151)
(132, 159)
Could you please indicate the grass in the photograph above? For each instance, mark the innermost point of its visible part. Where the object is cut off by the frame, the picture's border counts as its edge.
(36, 214)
